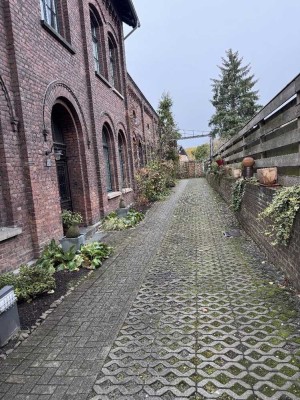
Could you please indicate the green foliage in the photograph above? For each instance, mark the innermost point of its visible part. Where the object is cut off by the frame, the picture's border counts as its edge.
(238, 194)
(154, 180)
(282, 212)
(113, 222)
(29, 282)
(201, 153)
(134, 217)
(214, 168)
(54, 258)
(48, 259)
(168, 131)
(94, 253)
(37, 279)
(234, 99)
(68, 260)
(70, 218)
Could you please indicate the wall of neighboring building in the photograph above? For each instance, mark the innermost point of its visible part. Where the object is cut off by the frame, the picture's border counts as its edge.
(255, 200)
(45, 77)
(143, 121)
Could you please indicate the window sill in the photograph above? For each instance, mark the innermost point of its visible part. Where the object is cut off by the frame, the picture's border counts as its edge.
(108, 84)
(103, 79)
(57, 36)
(118, 93)
(7, 233)
(127, 190)
(112, 195)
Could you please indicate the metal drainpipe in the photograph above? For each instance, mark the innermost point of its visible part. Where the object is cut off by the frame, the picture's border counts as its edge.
(134, 29)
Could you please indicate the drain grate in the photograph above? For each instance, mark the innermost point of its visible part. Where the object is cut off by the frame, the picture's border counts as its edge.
(232, 233)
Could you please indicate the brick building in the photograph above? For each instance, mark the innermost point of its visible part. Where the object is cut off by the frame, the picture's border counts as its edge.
(73, 124)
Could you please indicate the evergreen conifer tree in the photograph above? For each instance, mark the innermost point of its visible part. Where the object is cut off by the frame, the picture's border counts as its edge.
(168, 131)
(234, 99)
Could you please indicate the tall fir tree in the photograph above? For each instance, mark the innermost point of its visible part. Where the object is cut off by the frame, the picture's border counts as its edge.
(234, 99)
(168, 131)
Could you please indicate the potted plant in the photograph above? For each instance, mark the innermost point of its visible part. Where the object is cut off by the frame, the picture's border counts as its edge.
(219, 161)
(73, 237)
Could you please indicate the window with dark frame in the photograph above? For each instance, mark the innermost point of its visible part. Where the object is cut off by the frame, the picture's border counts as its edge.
(106, 153)
(113, 64)
(96, 43)
(141, 154)
(49, 13)
(121, 145)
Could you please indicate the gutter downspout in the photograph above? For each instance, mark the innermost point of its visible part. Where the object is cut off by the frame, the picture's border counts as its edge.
(134, 29)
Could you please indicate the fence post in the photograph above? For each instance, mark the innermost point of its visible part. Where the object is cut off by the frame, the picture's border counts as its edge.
(261, 126)
(298, 118)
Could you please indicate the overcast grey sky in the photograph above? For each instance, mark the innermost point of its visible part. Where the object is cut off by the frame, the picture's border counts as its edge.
(180, 43)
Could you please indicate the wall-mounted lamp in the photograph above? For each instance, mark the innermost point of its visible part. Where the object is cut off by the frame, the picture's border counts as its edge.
(57, 153)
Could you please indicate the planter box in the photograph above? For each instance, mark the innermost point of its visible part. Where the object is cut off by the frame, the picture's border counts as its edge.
(267, 176)
(122, 212)
(9, 316)
(67, 243)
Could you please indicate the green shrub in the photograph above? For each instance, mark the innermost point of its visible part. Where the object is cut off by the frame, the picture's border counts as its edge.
(94, 253)
(50, 257)
(69, 260)
(30, 282)
(154, 180)
(113, 222)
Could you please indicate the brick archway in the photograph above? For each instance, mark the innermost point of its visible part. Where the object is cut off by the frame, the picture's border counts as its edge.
(59, 95)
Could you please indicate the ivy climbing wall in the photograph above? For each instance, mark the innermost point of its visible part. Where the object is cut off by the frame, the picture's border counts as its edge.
(255, 200)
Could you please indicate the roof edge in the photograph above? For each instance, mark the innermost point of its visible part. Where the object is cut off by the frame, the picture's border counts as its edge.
(142, 94)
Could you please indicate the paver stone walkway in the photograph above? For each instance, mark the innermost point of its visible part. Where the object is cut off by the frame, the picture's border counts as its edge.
(179, 312)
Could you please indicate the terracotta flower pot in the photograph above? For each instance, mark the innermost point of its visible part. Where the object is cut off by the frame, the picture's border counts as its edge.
(248, 162)
(267, 176)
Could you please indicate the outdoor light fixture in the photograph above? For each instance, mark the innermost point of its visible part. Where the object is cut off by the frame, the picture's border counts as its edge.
(9, 317)
(57, 153)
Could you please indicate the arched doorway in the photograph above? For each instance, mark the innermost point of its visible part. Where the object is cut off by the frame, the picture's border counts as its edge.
(59, 145)
(65, 142)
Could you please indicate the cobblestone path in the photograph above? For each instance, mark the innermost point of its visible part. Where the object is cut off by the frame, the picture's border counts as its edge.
(179, 312)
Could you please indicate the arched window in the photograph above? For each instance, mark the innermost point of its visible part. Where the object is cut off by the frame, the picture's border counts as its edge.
(113, 64)
(55, 15)
(141, 155)
(96, 43)
(49, 13)
(134, 119)
(107, 159)
(122, 159)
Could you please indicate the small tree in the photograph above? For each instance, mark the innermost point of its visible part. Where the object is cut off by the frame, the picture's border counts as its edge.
(234, 99)
(168, 131)
(201, 152)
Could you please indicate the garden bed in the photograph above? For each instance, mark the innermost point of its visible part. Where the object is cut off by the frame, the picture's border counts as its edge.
(30, 311)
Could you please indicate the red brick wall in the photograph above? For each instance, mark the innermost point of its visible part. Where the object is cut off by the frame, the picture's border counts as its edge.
(144, 126)
(38, 71)
(255, 200)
